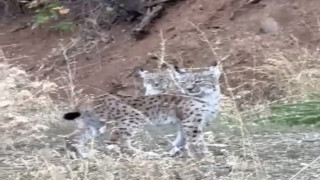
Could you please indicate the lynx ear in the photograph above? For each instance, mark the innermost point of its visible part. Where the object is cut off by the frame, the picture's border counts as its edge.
(70, 116)
(217, 73)
(141, 72)
(214, 69)
(137, 72)
(178, 70)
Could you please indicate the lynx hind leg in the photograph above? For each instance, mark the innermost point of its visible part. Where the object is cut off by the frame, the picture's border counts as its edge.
(180, 140)
(75, 142)
(74, 145)
(178, 144)
(122, 137)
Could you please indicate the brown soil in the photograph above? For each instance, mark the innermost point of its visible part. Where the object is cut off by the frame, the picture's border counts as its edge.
(241, 32)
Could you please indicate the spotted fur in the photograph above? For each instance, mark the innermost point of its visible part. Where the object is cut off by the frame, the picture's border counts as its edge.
(130, 114)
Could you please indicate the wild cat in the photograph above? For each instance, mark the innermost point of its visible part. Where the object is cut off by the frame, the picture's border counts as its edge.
(124, 116)
(200, 83)
(191, 110)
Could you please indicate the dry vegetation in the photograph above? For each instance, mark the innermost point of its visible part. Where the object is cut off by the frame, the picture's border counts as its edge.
(32, 130)
(242, 148)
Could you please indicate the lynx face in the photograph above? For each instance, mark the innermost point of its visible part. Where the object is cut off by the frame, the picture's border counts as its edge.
(156, 82)
(200, 84)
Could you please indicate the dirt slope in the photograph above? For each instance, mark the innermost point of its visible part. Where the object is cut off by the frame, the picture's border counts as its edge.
(243, 36)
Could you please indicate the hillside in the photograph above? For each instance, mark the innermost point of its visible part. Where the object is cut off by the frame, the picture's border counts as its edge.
(268, 50)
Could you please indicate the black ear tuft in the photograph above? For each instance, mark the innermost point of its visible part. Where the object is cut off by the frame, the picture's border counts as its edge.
(214, 63)
(177, 69)
(71, 115)
(164, 66)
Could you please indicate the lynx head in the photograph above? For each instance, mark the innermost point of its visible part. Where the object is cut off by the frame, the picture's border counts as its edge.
(199, 83)
(155, 82)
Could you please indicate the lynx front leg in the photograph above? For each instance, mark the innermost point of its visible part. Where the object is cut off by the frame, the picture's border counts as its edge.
(203, 146)
(122, 137)
(178, 144)
(193, 137)
(180, 140)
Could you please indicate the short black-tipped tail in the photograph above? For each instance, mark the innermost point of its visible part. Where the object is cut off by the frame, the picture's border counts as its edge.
(71, 116)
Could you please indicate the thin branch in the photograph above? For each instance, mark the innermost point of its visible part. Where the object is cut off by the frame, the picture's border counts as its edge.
(304, 168)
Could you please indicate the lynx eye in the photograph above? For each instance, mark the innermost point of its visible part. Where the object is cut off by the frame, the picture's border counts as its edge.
(156, 84)
(214, 87)
(209, 84)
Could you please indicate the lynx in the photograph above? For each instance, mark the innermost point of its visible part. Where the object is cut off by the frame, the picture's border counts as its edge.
(201, 83)
(124, 116)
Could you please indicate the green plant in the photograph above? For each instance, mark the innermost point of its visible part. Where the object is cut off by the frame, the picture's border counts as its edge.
(302, 112)
(51, 10)
(64, 26)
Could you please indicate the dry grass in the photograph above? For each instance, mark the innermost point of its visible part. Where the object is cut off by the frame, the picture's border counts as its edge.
(30, 123)
(32, 146)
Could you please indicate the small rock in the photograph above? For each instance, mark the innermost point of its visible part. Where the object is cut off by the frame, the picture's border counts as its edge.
(293, 154)
(4, 104)
(171, 29)
(269, 26)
